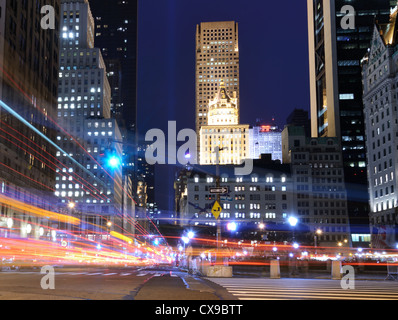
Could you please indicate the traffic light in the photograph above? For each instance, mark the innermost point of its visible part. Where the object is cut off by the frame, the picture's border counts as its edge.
(114, 162)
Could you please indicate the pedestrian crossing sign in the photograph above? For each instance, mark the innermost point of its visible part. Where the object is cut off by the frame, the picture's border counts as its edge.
(216, 210)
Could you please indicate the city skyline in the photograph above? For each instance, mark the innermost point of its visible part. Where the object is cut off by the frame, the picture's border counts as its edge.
(199, 150)
(173, 24)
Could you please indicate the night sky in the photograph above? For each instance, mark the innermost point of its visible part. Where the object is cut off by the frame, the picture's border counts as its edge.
(273, 64)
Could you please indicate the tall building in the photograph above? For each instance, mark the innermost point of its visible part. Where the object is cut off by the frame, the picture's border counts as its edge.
(217, 60)
(91, 176)
(320, 194)
(28, 87)
(380, 80)
(335, 54)
(224, 131)
(116, 34)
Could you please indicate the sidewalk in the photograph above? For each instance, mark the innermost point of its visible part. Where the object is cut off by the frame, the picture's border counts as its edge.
(181, 288)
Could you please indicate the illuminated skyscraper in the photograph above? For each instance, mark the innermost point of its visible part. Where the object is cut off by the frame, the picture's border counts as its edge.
(217, 60)
(91, 175)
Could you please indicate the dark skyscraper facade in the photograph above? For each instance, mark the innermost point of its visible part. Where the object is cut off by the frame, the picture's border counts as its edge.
(28, 93)
(116, 35)
(29, 86)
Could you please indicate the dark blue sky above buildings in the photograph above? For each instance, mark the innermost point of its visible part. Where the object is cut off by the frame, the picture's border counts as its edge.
(273, 63)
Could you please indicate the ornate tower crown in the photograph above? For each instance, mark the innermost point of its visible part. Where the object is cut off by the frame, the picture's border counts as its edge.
(223, 109)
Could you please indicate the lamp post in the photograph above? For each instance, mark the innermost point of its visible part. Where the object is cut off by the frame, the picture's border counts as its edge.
(318, 232)
(293, 222)
(218, 149)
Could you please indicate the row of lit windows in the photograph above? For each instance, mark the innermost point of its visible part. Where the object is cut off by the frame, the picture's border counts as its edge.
(243, 215)
(268, 179)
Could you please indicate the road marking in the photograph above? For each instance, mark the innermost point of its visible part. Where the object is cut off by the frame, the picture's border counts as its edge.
(285, 289)
(76, 273)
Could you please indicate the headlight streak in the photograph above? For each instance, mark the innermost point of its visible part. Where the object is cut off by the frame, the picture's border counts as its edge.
(93, 193)
(29, 98)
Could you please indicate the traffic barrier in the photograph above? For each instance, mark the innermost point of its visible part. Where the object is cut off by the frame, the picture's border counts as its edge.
(275, 272)
(392, 271)
(336, 270)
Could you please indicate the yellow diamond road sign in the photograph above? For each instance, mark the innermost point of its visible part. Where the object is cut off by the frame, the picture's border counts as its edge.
(216, 210)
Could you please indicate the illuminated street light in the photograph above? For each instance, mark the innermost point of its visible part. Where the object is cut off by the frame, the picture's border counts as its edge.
(191, 235)
(262, 226)
(185, 240)
(293, 221)
(71, 205)
(231, 226)
(295, 245)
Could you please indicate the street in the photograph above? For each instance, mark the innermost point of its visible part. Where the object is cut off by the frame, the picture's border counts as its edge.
(106, 284)
(161, 284)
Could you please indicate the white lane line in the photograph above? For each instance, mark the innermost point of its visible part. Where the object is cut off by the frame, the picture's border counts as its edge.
(77, 273)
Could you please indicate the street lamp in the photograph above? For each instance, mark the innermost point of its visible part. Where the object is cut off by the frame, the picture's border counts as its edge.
(71, 205)
(318, 232)
(293, 222)
(231, 226)
(191, 235)
(217, 151)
